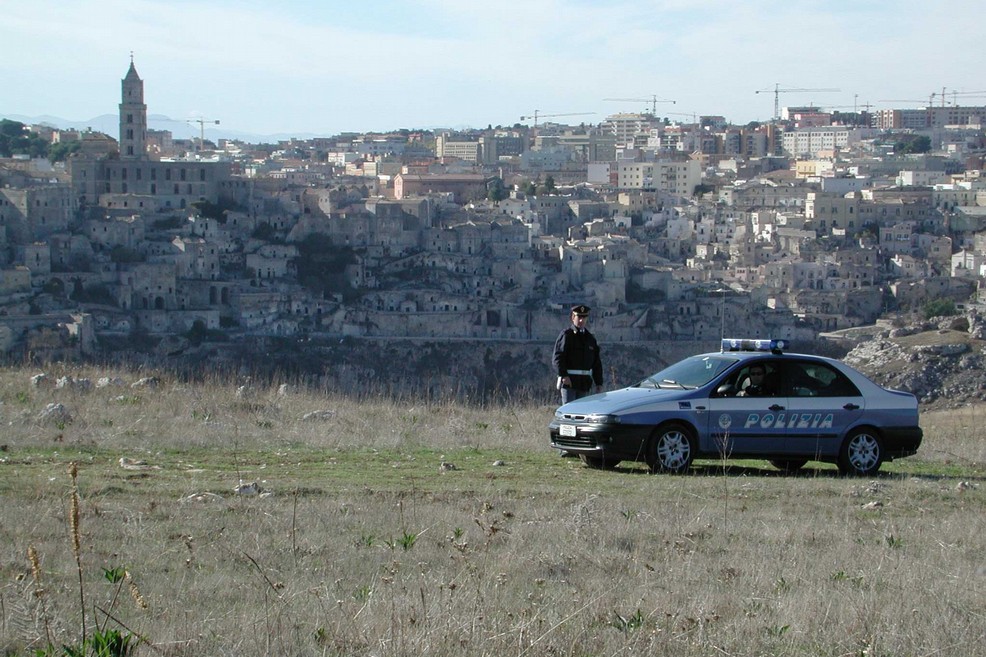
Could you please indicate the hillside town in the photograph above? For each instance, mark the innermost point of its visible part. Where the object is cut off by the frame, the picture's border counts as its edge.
(671, 228)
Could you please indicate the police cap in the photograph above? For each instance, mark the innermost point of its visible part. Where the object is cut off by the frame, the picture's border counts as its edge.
(580, 309)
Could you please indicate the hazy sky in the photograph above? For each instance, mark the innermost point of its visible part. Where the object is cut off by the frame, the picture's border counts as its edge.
(328, 66)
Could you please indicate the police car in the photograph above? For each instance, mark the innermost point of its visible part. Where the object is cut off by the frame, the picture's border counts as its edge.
(749, 400)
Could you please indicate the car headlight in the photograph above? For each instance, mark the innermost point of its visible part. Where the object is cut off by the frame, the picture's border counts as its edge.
(603, 419)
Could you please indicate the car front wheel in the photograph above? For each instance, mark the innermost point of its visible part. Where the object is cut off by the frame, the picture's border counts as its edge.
(672, 449)
(861, 453)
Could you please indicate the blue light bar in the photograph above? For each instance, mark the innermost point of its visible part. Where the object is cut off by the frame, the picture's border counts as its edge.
(753, 344)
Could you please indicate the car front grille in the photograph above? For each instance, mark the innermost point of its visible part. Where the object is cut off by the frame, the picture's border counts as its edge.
(577, 441)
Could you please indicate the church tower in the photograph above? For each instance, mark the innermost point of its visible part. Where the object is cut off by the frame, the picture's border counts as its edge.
(133, 117)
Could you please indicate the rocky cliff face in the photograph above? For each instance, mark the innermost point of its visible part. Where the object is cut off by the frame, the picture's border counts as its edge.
(942, 361)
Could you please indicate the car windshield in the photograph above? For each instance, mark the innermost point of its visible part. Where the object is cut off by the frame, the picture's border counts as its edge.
(690, 373)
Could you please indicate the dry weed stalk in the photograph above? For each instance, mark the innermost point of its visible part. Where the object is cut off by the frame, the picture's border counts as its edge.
(135, 593)
(76, 535)
(39, 591)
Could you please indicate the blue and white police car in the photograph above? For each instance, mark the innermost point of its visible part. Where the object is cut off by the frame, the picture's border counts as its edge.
(750, 400)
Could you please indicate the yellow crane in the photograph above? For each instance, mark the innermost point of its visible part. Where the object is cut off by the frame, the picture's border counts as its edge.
(777, 91)
(653, 100)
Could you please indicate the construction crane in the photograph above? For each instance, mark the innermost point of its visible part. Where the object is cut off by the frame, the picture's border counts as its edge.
(201, 122)
(537, 114)
(905, 100)
(653, 100)
(777, 91)
(866, 107)
(691, 114)
(961, 93)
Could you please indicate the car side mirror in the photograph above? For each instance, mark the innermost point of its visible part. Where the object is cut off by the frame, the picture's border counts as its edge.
(725, 390)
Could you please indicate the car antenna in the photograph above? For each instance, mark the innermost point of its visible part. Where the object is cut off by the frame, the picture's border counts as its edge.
(722, 315)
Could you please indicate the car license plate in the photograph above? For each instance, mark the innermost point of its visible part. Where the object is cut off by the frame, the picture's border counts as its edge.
(567, 430)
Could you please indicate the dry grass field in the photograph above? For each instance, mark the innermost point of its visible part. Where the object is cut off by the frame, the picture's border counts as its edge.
(395, 527)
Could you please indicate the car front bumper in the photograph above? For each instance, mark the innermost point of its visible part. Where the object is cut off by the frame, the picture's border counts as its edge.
(616, 441)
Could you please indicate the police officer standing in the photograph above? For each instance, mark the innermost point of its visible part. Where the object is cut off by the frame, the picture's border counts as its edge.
(576, 358)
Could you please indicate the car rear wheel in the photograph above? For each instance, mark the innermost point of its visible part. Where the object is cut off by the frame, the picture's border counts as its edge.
(672, 449)
(861, 453)
(598, 462)
(788, 465)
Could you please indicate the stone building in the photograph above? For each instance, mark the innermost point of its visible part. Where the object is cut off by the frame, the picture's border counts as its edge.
(131, 180)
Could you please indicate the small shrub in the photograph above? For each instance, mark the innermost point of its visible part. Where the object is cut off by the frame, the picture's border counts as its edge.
(939, 308)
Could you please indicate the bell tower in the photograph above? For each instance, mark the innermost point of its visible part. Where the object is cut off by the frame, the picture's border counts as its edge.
(133, 117)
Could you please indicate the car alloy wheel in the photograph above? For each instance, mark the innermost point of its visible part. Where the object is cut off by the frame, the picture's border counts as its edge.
(672, 449)
(861, 454)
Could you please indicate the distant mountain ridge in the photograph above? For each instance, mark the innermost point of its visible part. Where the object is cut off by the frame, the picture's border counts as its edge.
(180, 128)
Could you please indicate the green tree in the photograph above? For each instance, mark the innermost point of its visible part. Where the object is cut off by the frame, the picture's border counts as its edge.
(529, 188)
(496, 191)
(910, 144)
(211, 210)
(264, 231)
(322, 265)
(61, 150)
(17, 139)
(199, 333)
(939, 308)
(549, 184)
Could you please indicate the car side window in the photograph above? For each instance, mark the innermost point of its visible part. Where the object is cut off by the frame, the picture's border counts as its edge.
(817, 379)
(758, 379)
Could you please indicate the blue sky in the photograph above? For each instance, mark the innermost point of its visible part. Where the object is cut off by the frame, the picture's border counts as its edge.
(310, 67)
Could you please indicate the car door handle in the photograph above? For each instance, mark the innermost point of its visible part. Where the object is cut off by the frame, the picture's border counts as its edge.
(775, 407)
(851, 407)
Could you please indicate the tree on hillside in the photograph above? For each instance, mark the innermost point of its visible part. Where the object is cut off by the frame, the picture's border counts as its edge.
(496, 191)
(940, 308)
(61, 150)
(549, 185)
(17, 139)
(215, 211)
(322, 265)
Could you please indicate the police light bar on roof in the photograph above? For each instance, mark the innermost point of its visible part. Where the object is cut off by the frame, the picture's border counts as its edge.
(754, 344)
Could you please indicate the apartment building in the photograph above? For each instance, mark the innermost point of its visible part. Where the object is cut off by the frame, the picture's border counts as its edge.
(806, 142)
(468, 150)
(679, 177)
(901, 119)
(625, 127)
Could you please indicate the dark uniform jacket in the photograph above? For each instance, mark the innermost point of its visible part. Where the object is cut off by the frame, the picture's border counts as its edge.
(578, 350)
